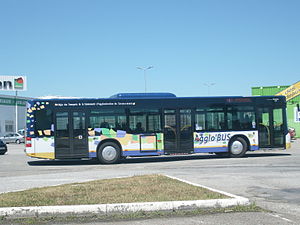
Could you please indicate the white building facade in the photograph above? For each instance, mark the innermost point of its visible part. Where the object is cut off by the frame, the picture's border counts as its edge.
(8, 113)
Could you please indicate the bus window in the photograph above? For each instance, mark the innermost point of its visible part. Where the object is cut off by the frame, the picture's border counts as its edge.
(154, 124)
(43, 123)
(241, 118)
(78, 121)
(62, 124)
(278, 126)
(98, 120)
(79, 124)
(144, 120)
(200, 122)
(145, 110)
(121, 123)
(109, 111)
(215, 121)
(264, 128)
(137, 123)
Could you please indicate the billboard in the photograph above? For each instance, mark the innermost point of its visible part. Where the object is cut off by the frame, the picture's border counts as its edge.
(13, 83)
(291, 92)
(297, 115)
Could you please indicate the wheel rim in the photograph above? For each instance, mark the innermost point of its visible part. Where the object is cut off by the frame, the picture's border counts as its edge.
(236, 148)
(109, 153)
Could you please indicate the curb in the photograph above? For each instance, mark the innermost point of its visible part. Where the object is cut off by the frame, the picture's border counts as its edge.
(106, 209)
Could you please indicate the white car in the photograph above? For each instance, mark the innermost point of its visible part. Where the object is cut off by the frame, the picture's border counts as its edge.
(13, 138)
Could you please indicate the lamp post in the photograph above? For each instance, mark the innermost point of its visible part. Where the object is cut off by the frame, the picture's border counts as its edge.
(208, 85)
(144, 69)
(16, 111)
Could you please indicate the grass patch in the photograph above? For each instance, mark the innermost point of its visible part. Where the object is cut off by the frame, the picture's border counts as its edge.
(147, 188)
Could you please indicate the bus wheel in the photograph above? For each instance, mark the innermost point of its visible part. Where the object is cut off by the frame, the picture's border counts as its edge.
(237, 147)
(109, 153)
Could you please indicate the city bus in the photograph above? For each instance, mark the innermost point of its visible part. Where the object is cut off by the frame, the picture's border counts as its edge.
(153, 124)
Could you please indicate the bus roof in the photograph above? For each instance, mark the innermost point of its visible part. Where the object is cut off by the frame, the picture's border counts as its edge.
(144, 95)
(162, 95)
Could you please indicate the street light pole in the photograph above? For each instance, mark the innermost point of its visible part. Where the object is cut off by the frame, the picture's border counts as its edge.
(16, 111)
(144, 72)
(208, 87)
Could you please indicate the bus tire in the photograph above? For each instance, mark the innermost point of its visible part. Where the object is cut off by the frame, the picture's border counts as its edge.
(109, 153)
(237, 147)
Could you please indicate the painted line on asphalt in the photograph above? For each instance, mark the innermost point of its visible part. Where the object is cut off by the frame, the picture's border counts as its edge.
(209, 188)
(283, 218)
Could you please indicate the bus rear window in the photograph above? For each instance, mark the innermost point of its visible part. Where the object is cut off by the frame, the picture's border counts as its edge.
(43, 123)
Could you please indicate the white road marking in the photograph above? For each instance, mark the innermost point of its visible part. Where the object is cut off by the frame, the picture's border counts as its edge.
(285, 219)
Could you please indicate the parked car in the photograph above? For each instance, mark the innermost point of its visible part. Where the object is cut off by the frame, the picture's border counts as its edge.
(13, 138)
(3, 148)
(292, 132)
(21, 131)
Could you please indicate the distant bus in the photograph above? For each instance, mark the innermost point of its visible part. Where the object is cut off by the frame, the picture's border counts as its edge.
(153, 124)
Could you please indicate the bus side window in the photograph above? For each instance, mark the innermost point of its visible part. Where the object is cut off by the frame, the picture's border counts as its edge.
(139, 128)
(121, 123)
(154, 123)
(104, 125)
(199, 121)
(241, 120)
(137, 123)
(215, 120)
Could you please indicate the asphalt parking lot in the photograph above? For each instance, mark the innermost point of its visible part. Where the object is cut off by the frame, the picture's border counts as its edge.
(269, 178)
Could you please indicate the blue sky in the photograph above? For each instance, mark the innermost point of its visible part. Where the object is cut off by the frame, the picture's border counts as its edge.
(91, 48)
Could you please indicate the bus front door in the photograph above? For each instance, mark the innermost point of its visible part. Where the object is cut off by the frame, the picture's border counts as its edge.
(270, 127)
(178, 134)
(70, 135)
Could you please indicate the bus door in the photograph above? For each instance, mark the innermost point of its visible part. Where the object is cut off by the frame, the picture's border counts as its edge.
(178, 133)
(70, 135)
(270, 127)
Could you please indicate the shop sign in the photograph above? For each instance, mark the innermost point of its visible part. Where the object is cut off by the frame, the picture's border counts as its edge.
(13, 83)
(291, 92)
(297, 115)
(12, 101)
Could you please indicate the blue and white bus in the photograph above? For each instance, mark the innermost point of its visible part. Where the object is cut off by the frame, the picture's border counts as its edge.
(153, 124)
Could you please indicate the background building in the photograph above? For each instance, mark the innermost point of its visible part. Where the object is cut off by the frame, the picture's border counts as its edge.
(8, 113)
(293, 114)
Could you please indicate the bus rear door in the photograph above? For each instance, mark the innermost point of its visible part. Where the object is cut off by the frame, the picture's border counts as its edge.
(271, 127)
